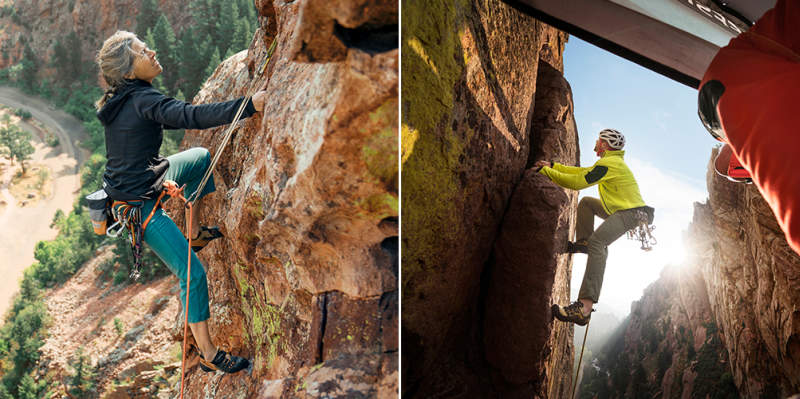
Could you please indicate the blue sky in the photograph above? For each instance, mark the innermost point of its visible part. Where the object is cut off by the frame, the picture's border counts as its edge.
(667, 149)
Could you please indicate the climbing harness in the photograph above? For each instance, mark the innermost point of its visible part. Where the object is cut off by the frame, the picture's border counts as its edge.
(643, 232)
(580, 359)
(195, 195)
(128, 215)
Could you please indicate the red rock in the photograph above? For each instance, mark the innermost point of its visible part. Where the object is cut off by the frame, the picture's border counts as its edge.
(306, 196)
(751, 275)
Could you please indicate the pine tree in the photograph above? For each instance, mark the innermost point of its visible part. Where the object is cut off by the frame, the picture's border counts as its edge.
(158, 82)
(148, 15)
(163, 40)
(74, 66)
(229, 14)
(27, 388)
(206, 14)
(4, 393)
(241, 35)
(59, 60)
(30, 66)
(190, 65)
(213, 63)
(81, 380)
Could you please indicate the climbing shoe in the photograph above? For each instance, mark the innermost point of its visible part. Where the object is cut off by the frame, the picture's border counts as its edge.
(224, 361)
(577, 246)
(572, 313)
(206, 235)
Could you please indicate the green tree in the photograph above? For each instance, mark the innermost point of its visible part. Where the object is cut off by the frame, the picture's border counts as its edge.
(213, 63)
(60, 58)
(149, 13)
(92, 174)
(158, 82)
(27, 388)
(97, 136)
(29, 293)
(206, 15)
(241, 35)
(82, 377)
(30, 66)
(74, 65)
(229, 14)
(16, 144)
(194, 55)
(164, 42)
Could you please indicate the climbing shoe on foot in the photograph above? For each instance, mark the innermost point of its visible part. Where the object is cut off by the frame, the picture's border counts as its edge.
(206, 235)
(577, 246)
(224, 361)
(572, 313)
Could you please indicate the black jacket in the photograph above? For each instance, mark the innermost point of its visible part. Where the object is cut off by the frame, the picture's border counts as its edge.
(134, 119)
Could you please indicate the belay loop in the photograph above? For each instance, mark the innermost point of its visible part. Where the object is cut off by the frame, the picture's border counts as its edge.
(643, 230)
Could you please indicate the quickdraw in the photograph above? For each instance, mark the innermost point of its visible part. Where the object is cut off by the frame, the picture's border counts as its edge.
(643, 232)
(128, 215)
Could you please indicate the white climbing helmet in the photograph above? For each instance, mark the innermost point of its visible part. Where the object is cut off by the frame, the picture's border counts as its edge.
(614, 138)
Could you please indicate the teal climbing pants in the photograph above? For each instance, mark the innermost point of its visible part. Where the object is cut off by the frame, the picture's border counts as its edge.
(167, 241)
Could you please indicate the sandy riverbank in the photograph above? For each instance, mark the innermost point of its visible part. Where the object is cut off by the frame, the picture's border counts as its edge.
(22, 226)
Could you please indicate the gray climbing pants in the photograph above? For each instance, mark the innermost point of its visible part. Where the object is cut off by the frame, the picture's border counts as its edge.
(613, 227)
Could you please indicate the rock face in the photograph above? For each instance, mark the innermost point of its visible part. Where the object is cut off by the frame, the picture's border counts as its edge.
(668, 347)
(726, 321)
(483, 96)
(752, 277)
(305, 283)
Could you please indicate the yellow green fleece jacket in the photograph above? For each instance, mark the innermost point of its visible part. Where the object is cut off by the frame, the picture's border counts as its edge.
(617, 186)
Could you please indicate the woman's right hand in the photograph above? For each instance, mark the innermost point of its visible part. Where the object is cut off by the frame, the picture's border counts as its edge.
(258, 100)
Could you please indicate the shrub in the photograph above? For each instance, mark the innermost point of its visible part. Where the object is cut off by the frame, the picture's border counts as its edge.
(118, 327)
(25, 115)
(52, 140)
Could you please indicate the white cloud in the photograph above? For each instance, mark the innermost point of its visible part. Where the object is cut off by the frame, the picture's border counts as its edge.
(629, 270)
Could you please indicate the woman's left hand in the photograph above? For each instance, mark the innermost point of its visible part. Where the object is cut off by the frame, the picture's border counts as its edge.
(172, 188)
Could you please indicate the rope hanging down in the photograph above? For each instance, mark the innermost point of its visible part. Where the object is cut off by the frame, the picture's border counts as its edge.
(188, 202)
(580, 359)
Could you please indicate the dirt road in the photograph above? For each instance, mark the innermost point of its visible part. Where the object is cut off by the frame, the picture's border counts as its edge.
(21, 227)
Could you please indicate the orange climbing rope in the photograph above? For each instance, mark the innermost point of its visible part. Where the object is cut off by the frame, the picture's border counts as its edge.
(194, 196)
(188, 287)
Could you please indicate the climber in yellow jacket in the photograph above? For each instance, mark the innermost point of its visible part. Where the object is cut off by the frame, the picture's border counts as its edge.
(620, 205)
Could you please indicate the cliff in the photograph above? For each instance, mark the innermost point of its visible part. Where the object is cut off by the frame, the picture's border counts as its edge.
(483, 97)
(669, 346)
(306, 281)
(726, 321)
(751, 276)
